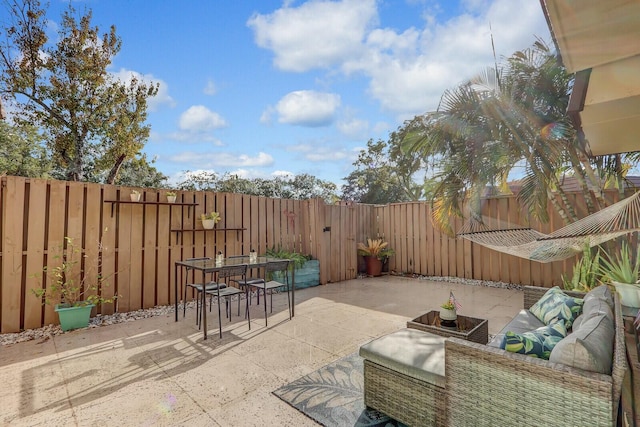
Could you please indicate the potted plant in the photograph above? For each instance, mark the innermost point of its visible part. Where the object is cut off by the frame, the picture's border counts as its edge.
(384, 256)
(623, 272)
(171, 196)
(448, 312)
(209, 220)
(373, 251)
(587, 272)
(135, 195)
(74, 291)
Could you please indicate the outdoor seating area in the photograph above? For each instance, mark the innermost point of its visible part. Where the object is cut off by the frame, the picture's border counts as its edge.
(161, 372)
(421, 378)
(181, 247)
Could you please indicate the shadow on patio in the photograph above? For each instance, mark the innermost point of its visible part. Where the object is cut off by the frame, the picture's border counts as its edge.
(159, 372)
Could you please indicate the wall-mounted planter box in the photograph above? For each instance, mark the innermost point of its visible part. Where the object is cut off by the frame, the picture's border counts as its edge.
(306, 276)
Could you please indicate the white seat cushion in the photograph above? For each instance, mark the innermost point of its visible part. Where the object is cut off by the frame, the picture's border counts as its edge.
(414, 353)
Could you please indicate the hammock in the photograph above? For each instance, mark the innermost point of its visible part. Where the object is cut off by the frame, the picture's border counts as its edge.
(613, 221)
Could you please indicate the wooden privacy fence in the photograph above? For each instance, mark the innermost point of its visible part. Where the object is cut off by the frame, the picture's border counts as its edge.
(135, 244)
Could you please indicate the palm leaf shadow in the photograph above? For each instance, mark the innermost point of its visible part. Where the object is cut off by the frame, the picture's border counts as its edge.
(338, 384)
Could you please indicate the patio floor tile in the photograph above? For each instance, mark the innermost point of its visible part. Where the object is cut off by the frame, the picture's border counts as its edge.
(160, 372)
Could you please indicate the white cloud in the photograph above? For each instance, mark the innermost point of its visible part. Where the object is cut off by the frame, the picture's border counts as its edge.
(320, 152)
(199, 118)
(407, 69)
(194, 138)
(209, 160)
(314, 34)
(267, 115)
(153, 102)
(307, 108)
(210, 88)
(352, 127)
(324, 154)
(381, 127)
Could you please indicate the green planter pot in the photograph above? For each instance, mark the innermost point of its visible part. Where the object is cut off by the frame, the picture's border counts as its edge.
(73, 317)
(306, 276)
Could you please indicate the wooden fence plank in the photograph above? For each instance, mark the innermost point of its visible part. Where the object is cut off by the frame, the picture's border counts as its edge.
(149, 246)
(55, 235)
(12, 287)
(91, 238)
(34, 311)
(108, 243)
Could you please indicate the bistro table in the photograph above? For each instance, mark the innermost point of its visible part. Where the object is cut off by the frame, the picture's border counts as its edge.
(207, 266)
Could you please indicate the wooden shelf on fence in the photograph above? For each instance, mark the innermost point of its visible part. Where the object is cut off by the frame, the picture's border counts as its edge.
(115, 202)
(178, 231)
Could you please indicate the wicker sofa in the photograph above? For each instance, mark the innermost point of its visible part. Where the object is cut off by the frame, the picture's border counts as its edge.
(488, 386)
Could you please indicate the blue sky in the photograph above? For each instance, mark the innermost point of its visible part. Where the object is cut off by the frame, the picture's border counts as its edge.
(264, 88)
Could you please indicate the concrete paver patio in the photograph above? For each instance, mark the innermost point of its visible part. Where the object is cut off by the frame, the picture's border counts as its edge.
(158, 372)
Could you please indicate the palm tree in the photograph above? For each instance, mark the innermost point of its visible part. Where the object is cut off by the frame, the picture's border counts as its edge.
(504, 117)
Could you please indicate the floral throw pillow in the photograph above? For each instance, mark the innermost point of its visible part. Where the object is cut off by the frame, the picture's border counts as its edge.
(537, 343)
(555, 304)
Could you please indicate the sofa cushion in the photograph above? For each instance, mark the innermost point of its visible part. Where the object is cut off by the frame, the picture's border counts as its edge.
(411, 352)
(524, 321)
(600, 293)
(593, 308)
(577, 322)
(590, 347)
(597, 301)
(555, 304)
(538, 342)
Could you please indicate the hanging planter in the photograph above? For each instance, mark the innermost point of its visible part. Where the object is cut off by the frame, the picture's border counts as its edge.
(209, 220)
(135, 196)
(208, 224)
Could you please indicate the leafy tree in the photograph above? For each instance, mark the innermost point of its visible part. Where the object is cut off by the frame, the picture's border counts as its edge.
(139, 172)
(298, 187)
(384, 174)
(90, 120)
(22, 153)
(511, 115)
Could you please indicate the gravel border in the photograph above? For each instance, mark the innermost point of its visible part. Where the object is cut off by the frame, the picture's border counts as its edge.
(46, 332)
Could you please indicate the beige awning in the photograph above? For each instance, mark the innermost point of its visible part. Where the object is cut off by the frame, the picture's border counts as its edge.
(600, 41)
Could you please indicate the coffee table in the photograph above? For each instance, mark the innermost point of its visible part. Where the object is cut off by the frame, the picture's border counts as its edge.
(467, 328)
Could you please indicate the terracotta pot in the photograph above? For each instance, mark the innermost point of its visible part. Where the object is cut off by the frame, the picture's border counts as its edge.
(374, 266)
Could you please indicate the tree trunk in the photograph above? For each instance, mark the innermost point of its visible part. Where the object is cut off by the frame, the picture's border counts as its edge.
(113, 173)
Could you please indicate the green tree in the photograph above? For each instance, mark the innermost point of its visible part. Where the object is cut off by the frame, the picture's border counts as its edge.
(504, 117)
(140, 172)
(22, 153)
(88, 117)
(376, 179)
(298, 187)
